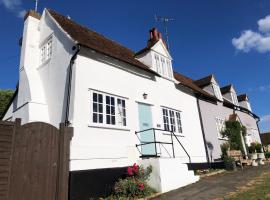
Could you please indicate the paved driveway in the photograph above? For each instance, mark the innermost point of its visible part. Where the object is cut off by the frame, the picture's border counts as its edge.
(216, 186)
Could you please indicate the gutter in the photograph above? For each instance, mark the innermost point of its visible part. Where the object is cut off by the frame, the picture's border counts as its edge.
(203, 132)
(71, 63)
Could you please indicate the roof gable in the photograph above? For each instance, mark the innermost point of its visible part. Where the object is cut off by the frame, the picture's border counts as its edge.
(242, 97)
(160, 48)
(227, 89)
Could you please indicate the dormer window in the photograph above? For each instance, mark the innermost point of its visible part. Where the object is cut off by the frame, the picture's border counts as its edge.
(163, 66)
(234, 99)
(157, 63)
(217, 91)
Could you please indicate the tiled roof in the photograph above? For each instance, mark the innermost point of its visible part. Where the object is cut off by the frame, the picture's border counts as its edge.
(188, 82)
(242, 97)
(97, 42)
(226, 89)
(204, 81)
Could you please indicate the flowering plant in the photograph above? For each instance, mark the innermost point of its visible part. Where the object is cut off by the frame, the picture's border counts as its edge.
(135, 184)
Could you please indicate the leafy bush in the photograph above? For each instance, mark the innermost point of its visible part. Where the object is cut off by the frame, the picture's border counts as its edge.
(5, 96)
(258, 148)
(233, 132)
(134, 186)
(267, 154)
(224, 150)
(252, 147)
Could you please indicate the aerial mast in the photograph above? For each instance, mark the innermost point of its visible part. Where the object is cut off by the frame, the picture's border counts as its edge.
(165, 21)
(36, 5)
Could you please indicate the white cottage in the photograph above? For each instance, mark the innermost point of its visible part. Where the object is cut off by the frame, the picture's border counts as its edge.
(125, 107)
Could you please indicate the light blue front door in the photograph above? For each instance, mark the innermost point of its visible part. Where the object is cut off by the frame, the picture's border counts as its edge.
(145, 119)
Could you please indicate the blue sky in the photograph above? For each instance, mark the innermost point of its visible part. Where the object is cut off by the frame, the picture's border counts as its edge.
(201, 37)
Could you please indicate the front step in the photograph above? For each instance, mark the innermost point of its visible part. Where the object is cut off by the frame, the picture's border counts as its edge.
(168, 174)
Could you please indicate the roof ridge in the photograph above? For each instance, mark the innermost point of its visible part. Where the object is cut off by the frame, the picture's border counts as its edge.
(91, 30)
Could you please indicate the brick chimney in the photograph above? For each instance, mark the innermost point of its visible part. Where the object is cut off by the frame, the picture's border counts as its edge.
(154, 37)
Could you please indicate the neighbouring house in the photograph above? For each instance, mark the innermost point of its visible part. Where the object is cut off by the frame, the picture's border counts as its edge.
(216, 111)
(265, 137)
(125, 107)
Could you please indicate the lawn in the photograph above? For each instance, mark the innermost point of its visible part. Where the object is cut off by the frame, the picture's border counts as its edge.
(257, 189)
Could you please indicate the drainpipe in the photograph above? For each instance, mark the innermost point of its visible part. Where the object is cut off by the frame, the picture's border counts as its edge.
(71, 63)
(203, 132)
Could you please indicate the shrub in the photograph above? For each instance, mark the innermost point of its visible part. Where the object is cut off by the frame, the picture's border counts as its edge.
(134, 186)
(258, 148)
(233, 132)
(224, 150)
(267, 154)
(252, 147)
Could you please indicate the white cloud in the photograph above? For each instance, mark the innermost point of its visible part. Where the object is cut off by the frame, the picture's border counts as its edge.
(255, 40)
(265, 118)
(14, 6)
(261, 88)
(264, 24)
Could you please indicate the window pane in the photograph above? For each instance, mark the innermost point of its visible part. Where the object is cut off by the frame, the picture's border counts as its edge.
(95, 117)
(100, 99)
(94, 107)
(95, 97)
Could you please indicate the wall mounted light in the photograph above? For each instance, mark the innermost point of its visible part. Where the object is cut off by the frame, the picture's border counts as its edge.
(145, 95)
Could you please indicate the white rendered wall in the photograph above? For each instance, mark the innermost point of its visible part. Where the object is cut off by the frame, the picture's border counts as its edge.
(95, 147)
(168, 174)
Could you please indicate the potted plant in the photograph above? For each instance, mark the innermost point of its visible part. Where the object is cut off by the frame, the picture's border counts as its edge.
(229, 163)
(252, 151)
(260, 153)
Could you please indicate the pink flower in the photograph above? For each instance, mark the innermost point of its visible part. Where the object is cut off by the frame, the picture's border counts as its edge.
(135, 168)
(141, 186)
(130, 171)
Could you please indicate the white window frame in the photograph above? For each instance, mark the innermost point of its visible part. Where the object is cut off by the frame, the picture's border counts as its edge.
(119, 115)
(177, 126)
(169, 66)
(157, 63)
(46, 50)
(234, 98)
(217, 91)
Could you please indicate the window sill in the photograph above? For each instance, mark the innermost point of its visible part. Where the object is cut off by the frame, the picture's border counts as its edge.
(176, 134)
(225, 139)
(109, 127)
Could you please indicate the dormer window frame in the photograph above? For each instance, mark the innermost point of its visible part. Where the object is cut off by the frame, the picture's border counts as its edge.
(163, 65)
(234, 99)
(216, 90)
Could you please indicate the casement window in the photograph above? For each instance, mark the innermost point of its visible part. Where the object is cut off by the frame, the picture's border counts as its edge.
(157, 63)
(234, 99)
(46, 50)
(217, 91)
(97, 108)
(172, 120)
(108, 110)
(169, 66)
(220, 124)
(164, 68)
(121, 107)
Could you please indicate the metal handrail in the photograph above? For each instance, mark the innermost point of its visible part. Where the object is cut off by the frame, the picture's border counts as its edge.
(181, 146)
(157, 142)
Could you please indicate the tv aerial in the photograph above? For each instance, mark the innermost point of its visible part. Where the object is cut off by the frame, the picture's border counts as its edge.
(165, 21)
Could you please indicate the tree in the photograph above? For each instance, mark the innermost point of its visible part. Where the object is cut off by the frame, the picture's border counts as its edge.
(233, 132)
(5, 97)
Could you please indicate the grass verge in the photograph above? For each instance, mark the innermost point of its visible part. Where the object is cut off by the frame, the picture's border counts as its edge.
(256, 189)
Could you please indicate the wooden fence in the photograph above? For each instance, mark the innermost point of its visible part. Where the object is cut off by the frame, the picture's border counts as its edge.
(34, 161)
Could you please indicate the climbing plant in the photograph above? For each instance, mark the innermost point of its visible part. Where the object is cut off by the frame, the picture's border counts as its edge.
(233, 131)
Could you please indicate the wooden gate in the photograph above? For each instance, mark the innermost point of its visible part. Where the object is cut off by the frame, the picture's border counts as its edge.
(34, 161)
